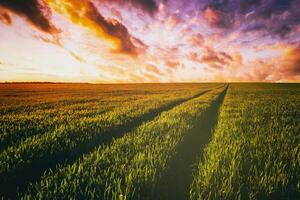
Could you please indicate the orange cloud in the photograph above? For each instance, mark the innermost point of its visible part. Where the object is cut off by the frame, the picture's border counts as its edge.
(173, 64)
(136, 78)
(196, 40)
(292, 63)
(84, 13)
(194, 57)
(76, 57)
(5, 18)
(215, 59)
(237, 57)
(151, 78)
(154, 69)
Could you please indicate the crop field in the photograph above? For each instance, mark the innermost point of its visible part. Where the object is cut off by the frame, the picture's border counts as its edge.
(150, 141)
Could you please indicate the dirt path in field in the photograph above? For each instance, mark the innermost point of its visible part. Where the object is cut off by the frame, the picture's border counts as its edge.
(22, 178)
(176, 181)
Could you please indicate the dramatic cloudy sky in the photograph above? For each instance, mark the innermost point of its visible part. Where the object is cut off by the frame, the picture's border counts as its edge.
(149, 40)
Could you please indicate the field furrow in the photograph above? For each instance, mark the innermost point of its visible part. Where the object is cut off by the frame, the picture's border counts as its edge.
(130, 167)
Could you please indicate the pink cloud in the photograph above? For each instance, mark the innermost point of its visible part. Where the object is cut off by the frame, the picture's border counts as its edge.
(116, 13)
(196, 40)
(173, 21)
(216, 18)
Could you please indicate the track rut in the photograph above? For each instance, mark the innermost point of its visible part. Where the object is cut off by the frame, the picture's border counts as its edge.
(175, 182)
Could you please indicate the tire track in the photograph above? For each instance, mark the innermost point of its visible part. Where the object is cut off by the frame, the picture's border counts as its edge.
(175, 182)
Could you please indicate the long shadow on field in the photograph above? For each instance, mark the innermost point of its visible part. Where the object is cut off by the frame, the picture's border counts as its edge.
(175, 182)
(19, 181)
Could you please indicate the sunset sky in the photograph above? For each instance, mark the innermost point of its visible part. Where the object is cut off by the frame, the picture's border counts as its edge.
(102, 41)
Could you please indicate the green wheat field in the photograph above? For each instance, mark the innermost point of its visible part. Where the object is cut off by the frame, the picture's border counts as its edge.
(150, 141)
